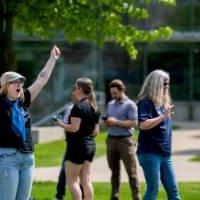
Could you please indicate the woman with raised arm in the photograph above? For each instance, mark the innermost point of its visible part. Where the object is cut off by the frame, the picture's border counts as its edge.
(16, 146)
(155, 135)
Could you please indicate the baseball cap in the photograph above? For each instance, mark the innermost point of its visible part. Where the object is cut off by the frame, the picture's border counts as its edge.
(10, 76)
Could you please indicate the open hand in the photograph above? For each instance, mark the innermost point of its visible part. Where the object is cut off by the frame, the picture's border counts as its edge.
(169, 111)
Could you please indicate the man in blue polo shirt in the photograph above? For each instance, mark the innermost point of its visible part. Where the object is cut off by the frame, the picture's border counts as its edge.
(121, 117)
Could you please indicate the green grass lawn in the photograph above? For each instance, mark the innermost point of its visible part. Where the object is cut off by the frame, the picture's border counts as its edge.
(50, 154)
(46, 191)
(196, 159)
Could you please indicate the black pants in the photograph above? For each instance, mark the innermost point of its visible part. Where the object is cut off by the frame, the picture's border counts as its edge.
(61, 185)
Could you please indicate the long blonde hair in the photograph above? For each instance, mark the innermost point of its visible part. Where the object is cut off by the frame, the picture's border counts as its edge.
(4, 92)
(87, 88)
(153, 88)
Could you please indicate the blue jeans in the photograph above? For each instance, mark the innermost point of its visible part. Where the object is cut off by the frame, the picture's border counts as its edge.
(157, 167)
(16, 174)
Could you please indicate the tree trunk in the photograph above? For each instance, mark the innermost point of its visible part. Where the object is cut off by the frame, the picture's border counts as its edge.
(7, 54)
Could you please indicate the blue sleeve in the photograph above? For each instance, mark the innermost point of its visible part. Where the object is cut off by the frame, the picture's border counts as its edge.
(132, 112)
(145, 108)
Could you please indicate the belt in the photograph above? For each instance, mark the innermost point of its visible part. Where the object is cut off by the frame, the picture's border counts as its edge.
(119, 136)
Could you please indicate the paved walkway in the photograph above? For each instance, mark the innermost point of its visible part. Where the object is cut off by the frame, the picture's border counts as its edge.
(186, 144)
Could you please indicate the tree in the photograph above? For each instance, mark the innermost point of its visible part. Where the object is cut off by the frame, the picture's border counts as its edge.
(89, 20)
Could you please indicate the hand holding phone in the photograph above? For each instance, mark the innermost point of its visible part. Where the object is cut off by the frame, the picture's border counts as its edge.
(56, 118)
(104, 118)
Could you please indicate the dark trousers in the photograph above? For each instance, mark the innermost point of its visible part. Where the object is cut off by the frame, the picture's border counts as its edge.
(61, 185)
(122, 148)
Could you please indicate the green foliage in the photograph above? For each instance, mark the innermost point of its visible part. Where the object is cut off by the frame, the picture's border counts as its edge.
(91, 20)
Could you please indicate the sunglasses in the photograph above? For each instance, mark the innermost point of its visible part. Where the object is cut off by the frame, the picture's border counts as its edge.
(75, 87)
(17, 82)
(166, 83)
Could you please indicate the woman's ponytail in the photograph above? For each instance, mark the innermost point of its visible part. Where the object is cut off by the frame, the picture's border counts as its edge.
(92, 100)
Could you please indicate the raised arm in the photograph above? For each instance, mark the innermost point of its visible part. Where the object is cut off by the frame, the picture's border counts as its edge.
(45, 74)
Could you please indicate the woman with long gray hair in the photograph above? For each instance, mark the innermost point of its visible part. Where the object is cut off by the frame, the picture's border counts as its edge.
(81, 130)
(155, 135)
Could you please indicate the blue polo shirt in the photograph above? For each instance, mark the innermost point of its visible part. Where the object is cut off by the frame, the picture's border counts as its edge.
(123, 110)
(158, 139)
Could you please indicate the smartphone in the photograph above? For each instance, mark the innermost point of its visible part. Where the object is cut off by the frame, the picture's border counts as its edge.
(55, 118)
(104, 118)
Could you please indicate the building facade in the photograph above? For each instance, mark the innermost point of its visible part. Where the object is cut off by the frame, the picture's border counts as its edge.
(179, 56)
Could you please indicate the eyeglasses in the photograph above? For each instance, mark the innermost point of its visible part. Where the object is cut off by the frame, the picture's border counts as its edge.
(166, 83)
(75, 87)
(17, 82)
